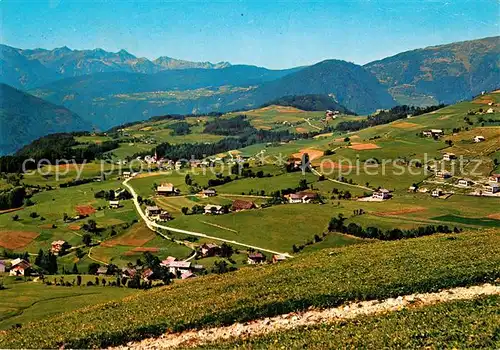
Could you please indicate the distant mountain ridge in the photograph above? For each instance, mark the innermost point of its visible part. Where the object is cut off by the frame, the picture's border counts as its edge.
(24, 118)
(349, 84)
(109, 99)
(441, 74)
(109, 89)
(36, 67)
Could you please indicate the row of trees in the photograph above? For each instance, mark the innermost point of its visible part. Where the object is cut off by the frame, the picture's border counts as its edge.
(384, 117)
(337, 224)
(54, 147)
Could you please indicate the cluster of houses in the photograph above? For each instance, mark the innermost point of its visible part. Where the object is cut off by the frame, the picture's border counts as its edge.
(491, 187)
(157, 214)
(238, 205)
(433, 133)
(331, 114)
(180, 269)
(211, 249)
(191, 163)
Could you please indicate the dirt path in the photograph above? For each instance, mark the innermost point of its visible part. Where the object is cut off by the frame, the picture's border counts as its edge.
(311, 125)
(310, 318)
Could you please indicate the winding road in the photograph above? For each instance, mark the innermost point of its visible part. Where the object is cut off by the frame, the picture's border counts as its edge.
(154, 226)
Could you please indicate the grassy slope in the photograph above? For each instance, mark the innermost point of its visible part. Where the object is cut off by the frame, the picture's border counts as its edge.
(470, 324)
(24, 302)
(324, 279)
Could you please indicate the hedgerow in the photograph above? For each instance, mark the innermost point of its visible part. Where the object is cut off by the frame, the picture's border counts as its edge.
(326, 278)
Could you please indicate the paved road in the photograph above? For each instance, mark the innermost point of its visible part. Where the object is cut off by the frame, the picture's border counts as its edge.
(152, 225)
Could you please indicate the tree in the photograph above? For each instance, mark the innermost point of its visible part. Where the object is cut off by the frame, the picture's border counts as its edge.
(78, 280)
(39, 258)
(79, 253)
(185, 210)
(90, 226)
(75, 269)
(93, 267)
(220, 267)
(65, 217)
(302, 184)
(226, 250)
(87, 239)
(15, 217)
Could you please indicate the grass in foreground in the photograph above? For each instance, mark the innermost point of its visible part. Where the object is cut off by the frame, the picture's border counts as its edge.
(22, 302)
(470, 324)
(323, 279)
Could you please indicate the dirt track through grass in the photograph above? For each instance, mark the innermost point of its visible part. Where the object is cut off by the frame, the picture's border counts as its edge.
(289, 321)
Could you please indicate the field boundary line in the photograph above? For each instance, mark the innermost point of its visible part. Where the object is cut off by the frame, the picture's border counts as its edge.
(218, 226)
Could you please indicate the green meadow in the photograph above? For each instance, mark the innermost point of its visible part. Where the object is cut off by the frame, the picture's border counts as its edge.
(339, 275)
(27, 301)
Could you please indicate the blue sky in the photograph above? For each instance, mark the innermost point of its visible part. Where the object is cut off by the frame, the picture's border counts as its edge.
(274, 34)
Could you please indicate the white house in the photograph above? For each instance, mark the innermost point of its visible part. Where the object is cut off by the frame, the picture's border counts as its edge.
(490, 110)
(19, 267)
(443, 174)
(167, 189)
(437, 192)
(491, 188)
(449, 156)
(382, 194)
(465, 182)
(209, 192)
(126, 174)
(479, 138)
(114, 204)
(179, 266)
(255, 258)
(301, 197)
(153, 210)
(494, 178)
(294, 198)
(213, 209)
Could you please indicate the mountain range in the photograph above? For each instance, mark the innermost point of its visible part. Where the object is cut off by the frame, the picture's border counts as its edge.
(441, 74)
(26, 69)
(107, 89)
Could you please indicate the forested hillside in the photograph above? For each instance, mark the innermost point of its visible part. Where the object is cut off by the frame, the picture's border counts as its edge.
(441, 74)
(24, 118)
